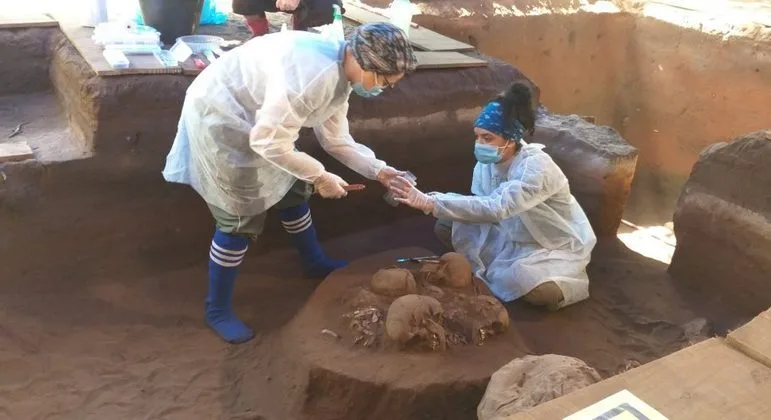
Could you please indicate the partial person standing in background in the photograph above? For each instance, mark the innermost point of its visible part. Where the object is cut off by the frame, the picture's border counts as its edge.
(305, 13)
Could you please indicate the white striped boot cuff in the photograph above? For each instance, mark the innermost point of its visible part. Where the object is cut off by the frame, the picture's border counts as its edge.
(225, 257)
(298, 225)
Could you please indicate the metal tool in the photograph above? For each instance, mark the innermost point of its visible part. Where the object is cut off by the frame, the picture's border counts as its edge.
(16, 131)
(433, 258)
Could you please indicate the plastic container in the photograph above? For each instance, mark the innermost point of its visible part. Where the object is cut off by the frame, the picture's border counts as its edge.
(172, 18)
(401, 12)
(133, 48)
(125, 33)
(97, 12)
(389, 196)
(166, 58)
(201, 43)
(116, 59)
(337, 31)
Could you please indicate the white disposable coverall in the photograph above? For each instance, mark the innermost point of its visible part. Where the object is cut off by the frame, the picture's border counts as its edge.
(235, 142)
(522, 227)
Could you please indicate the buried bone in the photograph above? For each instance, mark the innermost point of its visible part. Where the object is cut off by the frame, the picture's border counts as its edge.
(452, 270)
(415, 320)
(393, 282)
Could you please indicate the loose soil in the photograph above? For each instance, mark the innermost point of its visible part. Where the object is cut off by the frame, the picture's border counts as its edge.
(110, 338)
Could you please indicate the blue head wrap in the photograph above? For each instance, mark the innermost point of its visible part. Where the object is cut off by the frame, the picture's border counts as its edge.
(492, 119)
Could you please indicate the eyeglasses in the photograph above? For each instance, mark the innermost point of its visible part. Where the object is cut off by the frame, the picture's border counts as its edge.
(388, 83)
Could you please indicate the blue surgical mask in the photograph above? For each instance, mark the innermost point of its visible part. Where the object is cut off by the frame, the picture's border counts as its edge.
(359, 89)
(487, 153)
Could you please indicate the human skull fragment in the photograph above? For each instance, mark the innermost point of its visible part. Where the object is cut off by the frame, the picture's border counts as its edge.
(457, 270)
(452, 270)
(393, 282)
(492, 315)
(416, 321)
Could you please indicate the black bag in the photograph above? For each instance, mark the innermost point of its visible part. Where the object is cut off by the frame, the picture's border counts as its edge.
(312, 13)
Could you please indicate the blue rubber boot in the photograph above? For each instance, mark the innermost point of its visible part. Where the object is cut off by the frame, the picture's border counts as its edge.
(225, 256)
(298, 223)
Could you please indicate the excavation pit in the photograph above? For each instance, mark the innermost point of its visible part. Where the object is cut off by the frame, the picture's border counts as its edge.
(103, 273)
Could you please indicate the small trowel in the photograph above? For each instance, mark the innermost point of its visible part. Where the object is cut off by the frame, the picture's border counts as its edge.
(432, 258)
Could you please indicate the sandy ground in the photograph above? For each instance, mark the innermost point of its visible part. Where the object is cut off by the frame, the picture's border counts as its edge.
(120, 340)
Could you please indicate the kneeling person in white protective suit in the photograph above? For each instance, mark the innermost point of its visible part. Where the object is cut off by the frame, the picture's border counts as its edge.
(235, 142)
(523, 232)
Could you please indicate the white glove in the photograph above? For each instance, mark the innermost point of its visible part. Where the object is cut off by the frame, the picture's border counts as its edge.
(287, 5)
(387, 174)
(329, 185)
(406, 193)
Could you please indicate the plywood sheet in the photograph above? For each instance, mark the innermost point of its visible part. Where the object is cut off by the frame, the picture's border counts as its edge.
(446, 60)
(92, 53)
(420, 37)
(754, 338)
(27, 21)
(707, 381)
(15, 152)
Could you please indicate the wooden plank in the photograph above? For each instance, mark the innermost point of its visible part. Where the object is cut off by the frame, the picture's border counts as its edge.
(27, 21)
(446, 60)
(754, 338)
(15, 152)
(707, 381)
(92, 53)
(420, 37)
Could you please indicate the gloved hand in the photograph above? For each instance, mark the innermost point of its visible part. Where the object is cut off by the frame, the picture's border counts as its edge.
(387, 174)
(406, 193)
(329, 185)
(287, 5)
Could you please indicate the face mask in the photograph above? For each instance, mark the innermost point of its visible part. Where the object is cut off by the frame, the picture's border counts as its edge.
(487, 153)
(358, 88)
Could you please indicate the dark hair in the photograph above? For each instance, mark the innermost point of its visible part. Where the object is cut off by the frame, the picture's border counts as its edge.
(517, 105)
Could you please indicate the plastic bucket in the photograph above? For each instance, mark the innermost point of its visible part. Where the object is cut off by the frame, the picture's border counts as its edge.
(172, 18)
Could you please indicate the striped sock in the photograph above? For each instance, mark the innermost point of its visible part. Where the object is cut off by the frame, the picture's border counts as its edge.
(297, 221)
(225, 256)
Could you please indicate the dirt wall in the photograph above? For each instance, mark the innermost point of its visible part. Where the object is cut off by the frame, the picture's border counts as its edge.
(24, 59)
(669, 90)
(118, 199)
(723, 224)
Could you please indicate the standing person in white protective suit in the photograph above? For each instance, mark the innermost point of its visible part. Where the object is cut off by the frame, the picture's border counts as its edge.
(523, 232)
(235, 142)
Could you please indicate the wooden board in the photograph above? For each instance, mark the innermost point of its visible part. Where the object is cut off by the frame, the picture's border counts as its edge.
(420, 37)
(92, 53)
(446, 60)
(754, 338)
(15, 152)
(27, 21)
(707, 381)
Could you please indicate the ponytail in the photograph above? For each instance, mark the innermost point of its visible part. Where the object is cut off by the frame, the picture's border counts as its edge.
(516, 102)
